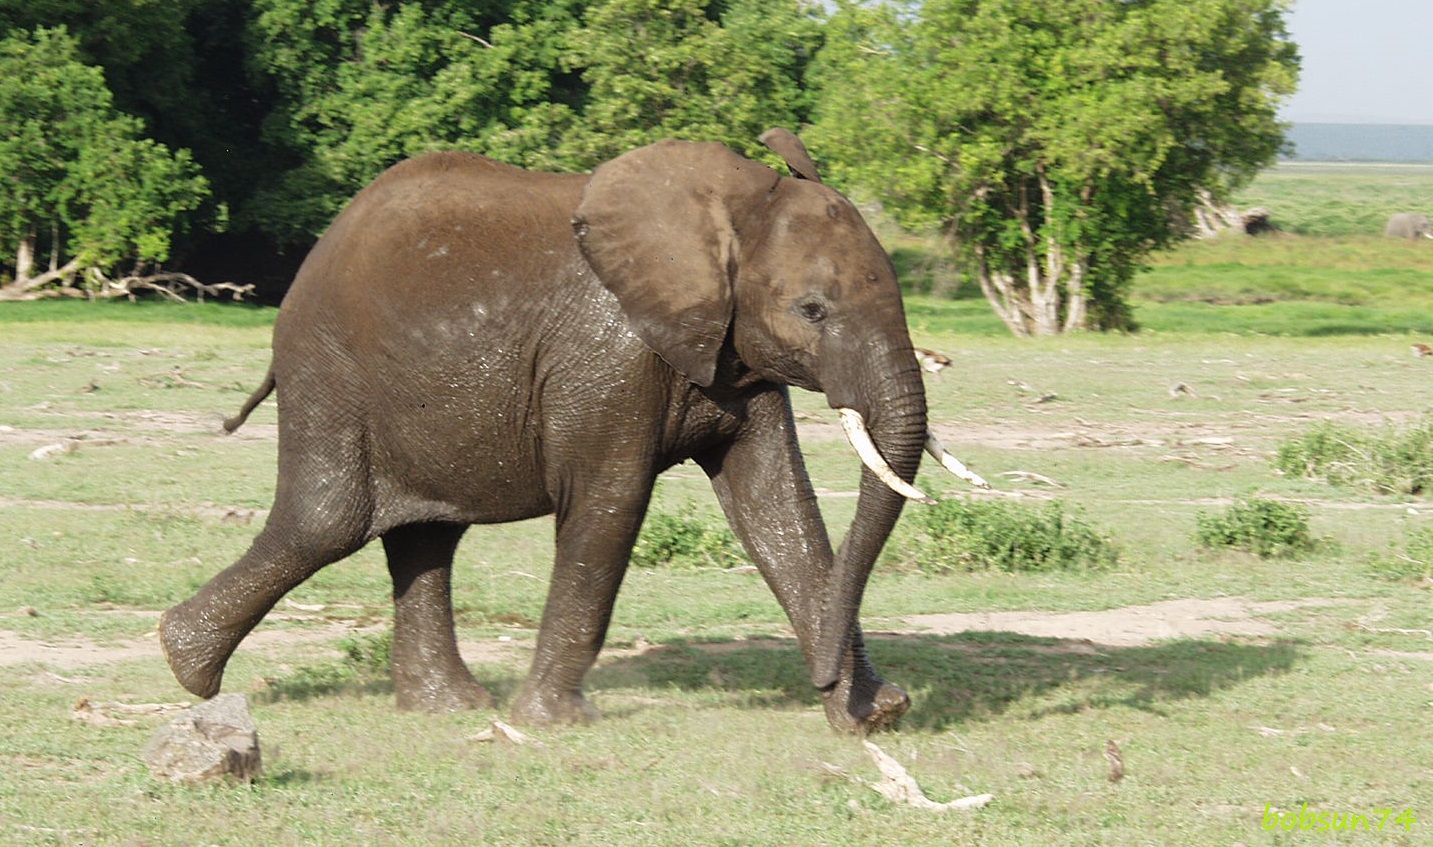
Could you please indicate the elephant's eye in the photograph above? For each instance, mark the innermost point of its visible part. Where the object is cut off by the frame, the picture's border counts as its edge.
(812, 310)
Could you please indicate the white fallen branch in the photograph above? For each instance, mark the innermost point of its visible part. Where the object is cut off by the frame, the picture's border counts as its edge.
(109, 714)
(1393, 630)
(900, 787)
(499, 731)
(49, 451)
(72, 280)
(304, 607)
(1031, 476)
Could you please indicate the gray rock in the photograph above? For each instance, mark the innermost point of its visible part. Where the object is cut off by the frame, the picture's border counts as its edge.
(213, 741)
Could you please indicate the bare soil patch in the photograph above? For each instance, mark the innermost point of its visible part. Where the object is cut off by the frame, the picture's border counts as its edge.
(1130, 626)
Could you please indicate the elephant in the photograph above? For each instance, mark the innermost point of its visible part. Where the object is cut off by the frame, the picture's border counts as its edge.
(1408, 225)
(474, 343)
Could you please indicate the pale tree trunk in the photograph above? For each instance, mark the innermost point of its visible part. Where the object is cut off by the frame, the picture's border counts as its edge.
(1029, 301)
(1000, 290)
(25, 256)
(1076, 306)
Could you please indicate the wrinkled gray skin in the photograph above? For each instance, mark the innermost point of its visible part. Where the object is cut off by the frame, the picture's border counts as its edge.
(1408, 225)
(473, 343)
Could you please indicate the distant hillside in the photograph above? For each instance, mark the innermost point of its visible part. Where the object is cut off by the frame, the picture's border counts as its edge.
(1361, 143)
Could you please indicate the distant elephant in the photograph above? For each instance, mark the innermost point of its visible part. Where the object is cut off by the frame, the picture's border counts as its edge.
(474, 343)
(1408, 225)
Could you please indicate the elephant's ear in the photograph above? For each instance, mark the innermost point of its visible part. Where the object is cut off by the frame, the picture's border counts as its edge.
(659, 225)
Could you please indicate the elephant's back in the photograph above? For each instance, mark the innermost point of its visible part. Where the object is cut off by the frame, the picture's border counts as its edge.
(451, 204)
(437, 230)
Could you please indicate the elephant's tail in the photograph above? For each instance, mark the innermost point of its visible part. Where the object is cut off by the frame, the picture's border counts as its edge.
(264, 390)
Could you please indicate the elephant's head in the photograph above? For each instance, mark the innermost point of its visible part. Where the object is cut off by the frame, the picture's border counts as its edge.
(714, 256)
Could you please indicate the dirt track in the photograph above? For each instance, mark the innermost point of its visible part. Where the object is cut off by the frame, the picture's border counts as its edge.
(1131, 626)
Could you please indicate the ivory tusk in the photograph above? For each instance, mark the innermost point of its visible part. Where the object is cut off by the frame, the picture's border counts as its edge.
(952, 464)
(860, 439)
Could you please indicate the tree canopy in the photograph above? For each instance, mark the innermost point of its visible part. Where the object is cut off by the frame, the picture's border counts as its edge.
(1057, 141)
(82, 177)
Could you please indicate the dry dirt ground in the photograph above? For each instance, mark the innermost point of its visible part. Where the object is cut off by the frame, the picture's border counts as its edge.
(1130, 626)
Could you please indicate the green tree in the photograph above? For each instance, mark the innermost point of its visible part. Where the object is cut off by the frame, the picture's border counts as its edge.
(144, 48)
(1059, 142)
(363, 85)
(79, 176)
(692, 69)
(180, 66)
(556, 86)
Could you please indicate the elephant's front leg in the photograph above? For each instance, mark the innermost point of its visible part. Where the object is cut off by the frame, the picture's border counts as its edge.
(761, 482)
(595, 534)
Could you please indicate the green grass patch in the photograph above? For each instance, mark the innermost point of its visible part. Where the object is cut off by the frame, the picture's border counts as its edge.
(686, 538)
(1412, 563)
(143, 311)
(1324, 200)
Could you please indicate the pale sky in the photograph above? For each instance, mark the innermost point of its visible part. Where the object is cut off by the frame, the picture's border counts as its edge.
(1364, 61)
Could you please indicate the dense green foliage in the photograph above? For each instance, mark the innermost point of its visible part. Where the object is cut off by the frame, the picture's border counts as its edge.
(959, 534)
(1059, 143)
(1105, 122)
(1267, 528)
(685, 538)
(83, 179)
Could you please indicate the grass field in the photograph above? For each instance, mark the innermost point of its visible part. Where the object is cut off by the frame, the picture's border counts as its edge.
(1235, 687)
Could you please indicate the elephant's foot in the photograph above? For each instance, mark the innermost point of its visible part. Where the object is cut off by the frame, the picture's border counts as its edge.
(454, 690)
(864, 705)
(535, 706)
(196, 654)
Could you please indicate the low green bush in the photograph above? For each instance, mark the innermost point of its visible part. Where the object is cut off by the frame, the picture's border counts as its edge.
(1266, 528)
(974, 535)
(1413, 563)
(364, 666)
(685, 538)
(368, 654)
(1392, 460)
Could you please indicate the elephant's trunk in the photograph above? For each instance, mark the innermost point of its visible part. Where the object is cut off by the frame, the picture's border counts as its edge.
(894, 411)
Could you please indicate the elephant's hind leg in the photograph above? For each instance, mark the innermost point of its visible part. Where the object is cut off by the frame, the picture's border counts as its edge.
(199, 635)
(428, 672)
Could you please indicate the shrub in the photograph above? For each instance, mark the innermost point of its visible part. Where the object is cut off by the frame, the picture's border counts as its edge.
(1390, 461)
(969, 535)
(686, 539)
(365, 664)
(368, 654)
(1266, 528)
(1414, 562)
